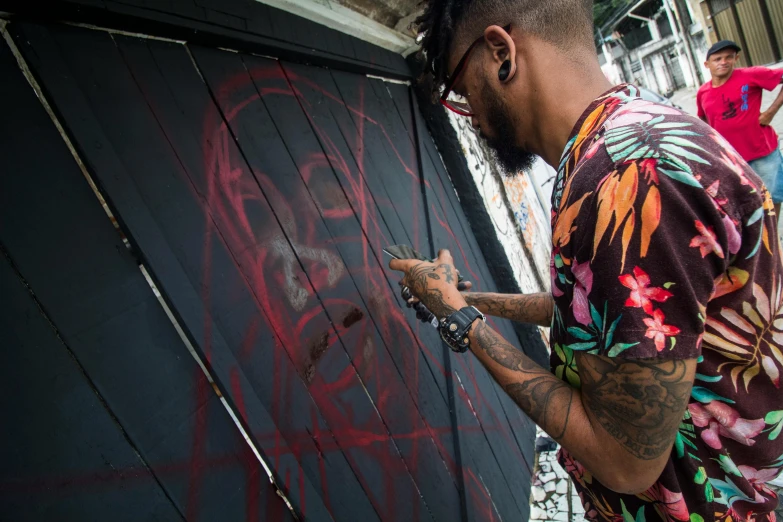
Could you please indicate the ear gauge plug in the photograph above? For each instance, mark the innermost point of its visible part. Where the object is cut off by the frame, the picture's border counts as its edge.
(504, 71)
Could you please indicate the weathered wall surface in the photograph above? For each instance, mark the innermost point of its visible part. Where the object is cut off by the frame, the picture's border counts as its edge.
(517, 215)
(257, 193)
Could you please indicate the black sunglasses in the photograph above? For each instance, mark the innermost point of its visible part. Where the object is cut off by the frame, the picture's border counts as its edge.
(461, 107)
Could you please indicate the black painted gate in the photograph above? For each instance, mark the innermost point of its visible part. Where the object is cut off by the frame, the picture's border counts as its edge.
(256, 195)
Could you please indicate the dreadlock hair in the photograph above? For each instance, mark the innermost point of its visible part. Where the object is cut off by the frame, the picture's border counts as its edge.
(565, 23)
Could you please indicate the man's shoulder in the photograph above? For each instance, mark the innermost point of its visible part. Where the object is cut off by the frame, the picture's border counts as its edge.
(704, 87)
(744, 73)
(677, 150)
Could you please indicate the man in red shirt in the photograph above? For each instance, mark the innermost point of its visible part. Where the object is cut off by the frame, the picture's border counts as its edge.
(731, 104)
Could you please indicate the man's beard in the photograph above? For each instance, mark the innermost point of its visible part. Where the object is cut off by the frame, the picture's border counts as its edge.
(511, 158)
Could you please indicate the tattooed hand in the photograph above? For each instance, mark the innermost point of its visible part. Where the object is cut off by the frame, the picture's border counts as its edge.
(434, 284)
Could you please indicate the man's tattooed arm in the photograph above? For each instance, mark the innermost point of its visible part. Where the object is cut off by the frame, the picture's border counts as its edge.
(545, 398)
(640, 403)
(621, 424)
(523, 308)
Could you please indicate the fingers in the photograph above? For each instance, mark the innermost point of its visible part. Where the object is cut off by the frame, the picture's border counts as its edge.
(444, 256)
(464, 286)
(402, 265)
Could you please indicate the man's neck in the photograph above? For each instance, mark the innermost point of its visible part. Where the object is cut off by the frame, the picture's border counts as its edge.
(717, 82)
(559, 111)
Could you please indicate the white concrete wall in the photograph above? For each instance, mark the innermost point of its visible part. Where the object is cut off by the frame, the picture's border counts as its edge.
(521, 224)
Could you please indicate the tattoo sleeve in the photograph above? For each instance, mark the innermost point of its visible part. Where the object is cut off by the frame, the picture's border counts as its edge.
(542, 396)
(638, 402)
(523, 308)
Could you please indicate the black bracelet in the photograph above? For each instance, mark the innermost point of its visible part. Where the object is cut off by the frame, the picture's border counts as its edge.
(454, 328)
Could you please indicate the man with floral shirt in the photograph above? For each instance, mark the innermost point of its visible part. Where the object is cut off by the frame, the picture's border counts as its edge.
(665, 306)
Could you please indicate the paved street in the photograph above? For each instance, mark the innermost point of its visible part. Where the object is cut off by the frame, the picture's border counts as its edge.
(686, 99)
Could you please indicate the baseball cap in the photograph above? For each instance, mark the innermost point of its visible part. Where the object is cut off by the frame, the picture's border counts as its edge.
(723, 44)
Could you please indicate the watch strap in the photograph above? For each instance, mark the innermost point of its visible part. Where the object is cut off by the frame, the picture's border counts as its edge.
(454, 328)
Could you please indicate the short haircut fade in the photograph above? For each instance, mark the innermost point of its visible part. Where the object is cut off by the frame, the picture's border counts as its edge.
(565, 23)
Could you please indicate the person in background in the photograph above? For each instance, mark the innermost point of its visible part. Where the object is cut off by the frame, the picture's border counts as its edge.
(731, 104)
(665, 306)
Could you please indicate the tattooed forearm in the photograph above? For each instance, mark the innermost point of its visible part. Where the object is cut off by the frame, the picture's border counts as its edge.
(523, 308)
(639, 403)
(545, 398)
(436, 304)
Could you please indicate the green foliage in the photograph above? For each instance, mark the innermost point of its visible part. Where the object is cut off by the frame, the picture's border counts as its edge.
(603, 10)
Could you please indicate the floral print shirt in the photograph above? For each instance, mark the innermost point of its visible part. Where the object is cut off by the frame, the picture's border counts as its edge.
(665, 246)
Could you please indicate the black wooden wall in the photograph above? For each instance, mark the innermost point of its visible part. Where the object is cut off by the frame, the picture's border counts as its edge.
(257, 193)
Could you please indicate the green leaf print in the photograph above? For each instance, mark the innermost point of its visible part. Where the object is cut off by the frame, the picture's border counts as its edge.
(706, 396)
(619, 348)
(701, 476)
(579, 333)
(728, 465)
(580, 347)
(597, 319)
(729, 492)
(775, 419)
(708, 378)
(695, 517)
(681, 176)
(679, 446)
(610, 333)
(709, 493)
(567, 370)
(627, 517)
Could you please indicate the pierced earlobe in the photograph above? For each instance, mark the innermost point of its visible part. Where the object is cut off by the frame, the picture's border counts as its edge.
(504, 71)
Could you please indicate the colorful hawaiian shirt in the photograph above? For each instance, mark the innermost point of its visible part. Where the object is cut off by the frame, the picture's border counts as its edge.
(665, 246)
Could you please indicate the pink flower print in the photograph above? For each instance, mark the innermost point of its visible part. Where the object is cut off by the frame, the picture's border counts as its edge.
(657, 330)
(642, 294)
(732, 160)
(594, 147)
(590, 512)
(712, 190)
(573, 467)
(758, 478)
(721, 420)
(639, 111)
(582, 286)
(671, 504)
(732, 235)
(706, 241)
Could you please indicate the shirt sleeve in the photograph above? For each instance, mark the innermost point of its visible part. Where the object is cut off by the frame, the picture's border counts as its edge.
(653, 245)
(764, 77)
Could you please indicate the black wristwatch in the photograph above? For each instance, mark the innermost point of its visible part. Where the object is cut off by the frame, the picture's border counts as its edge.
(454, 328)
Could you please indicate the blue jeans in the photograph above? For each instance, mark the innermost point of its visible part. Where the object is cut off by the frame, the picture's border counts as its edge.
(770, 170)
